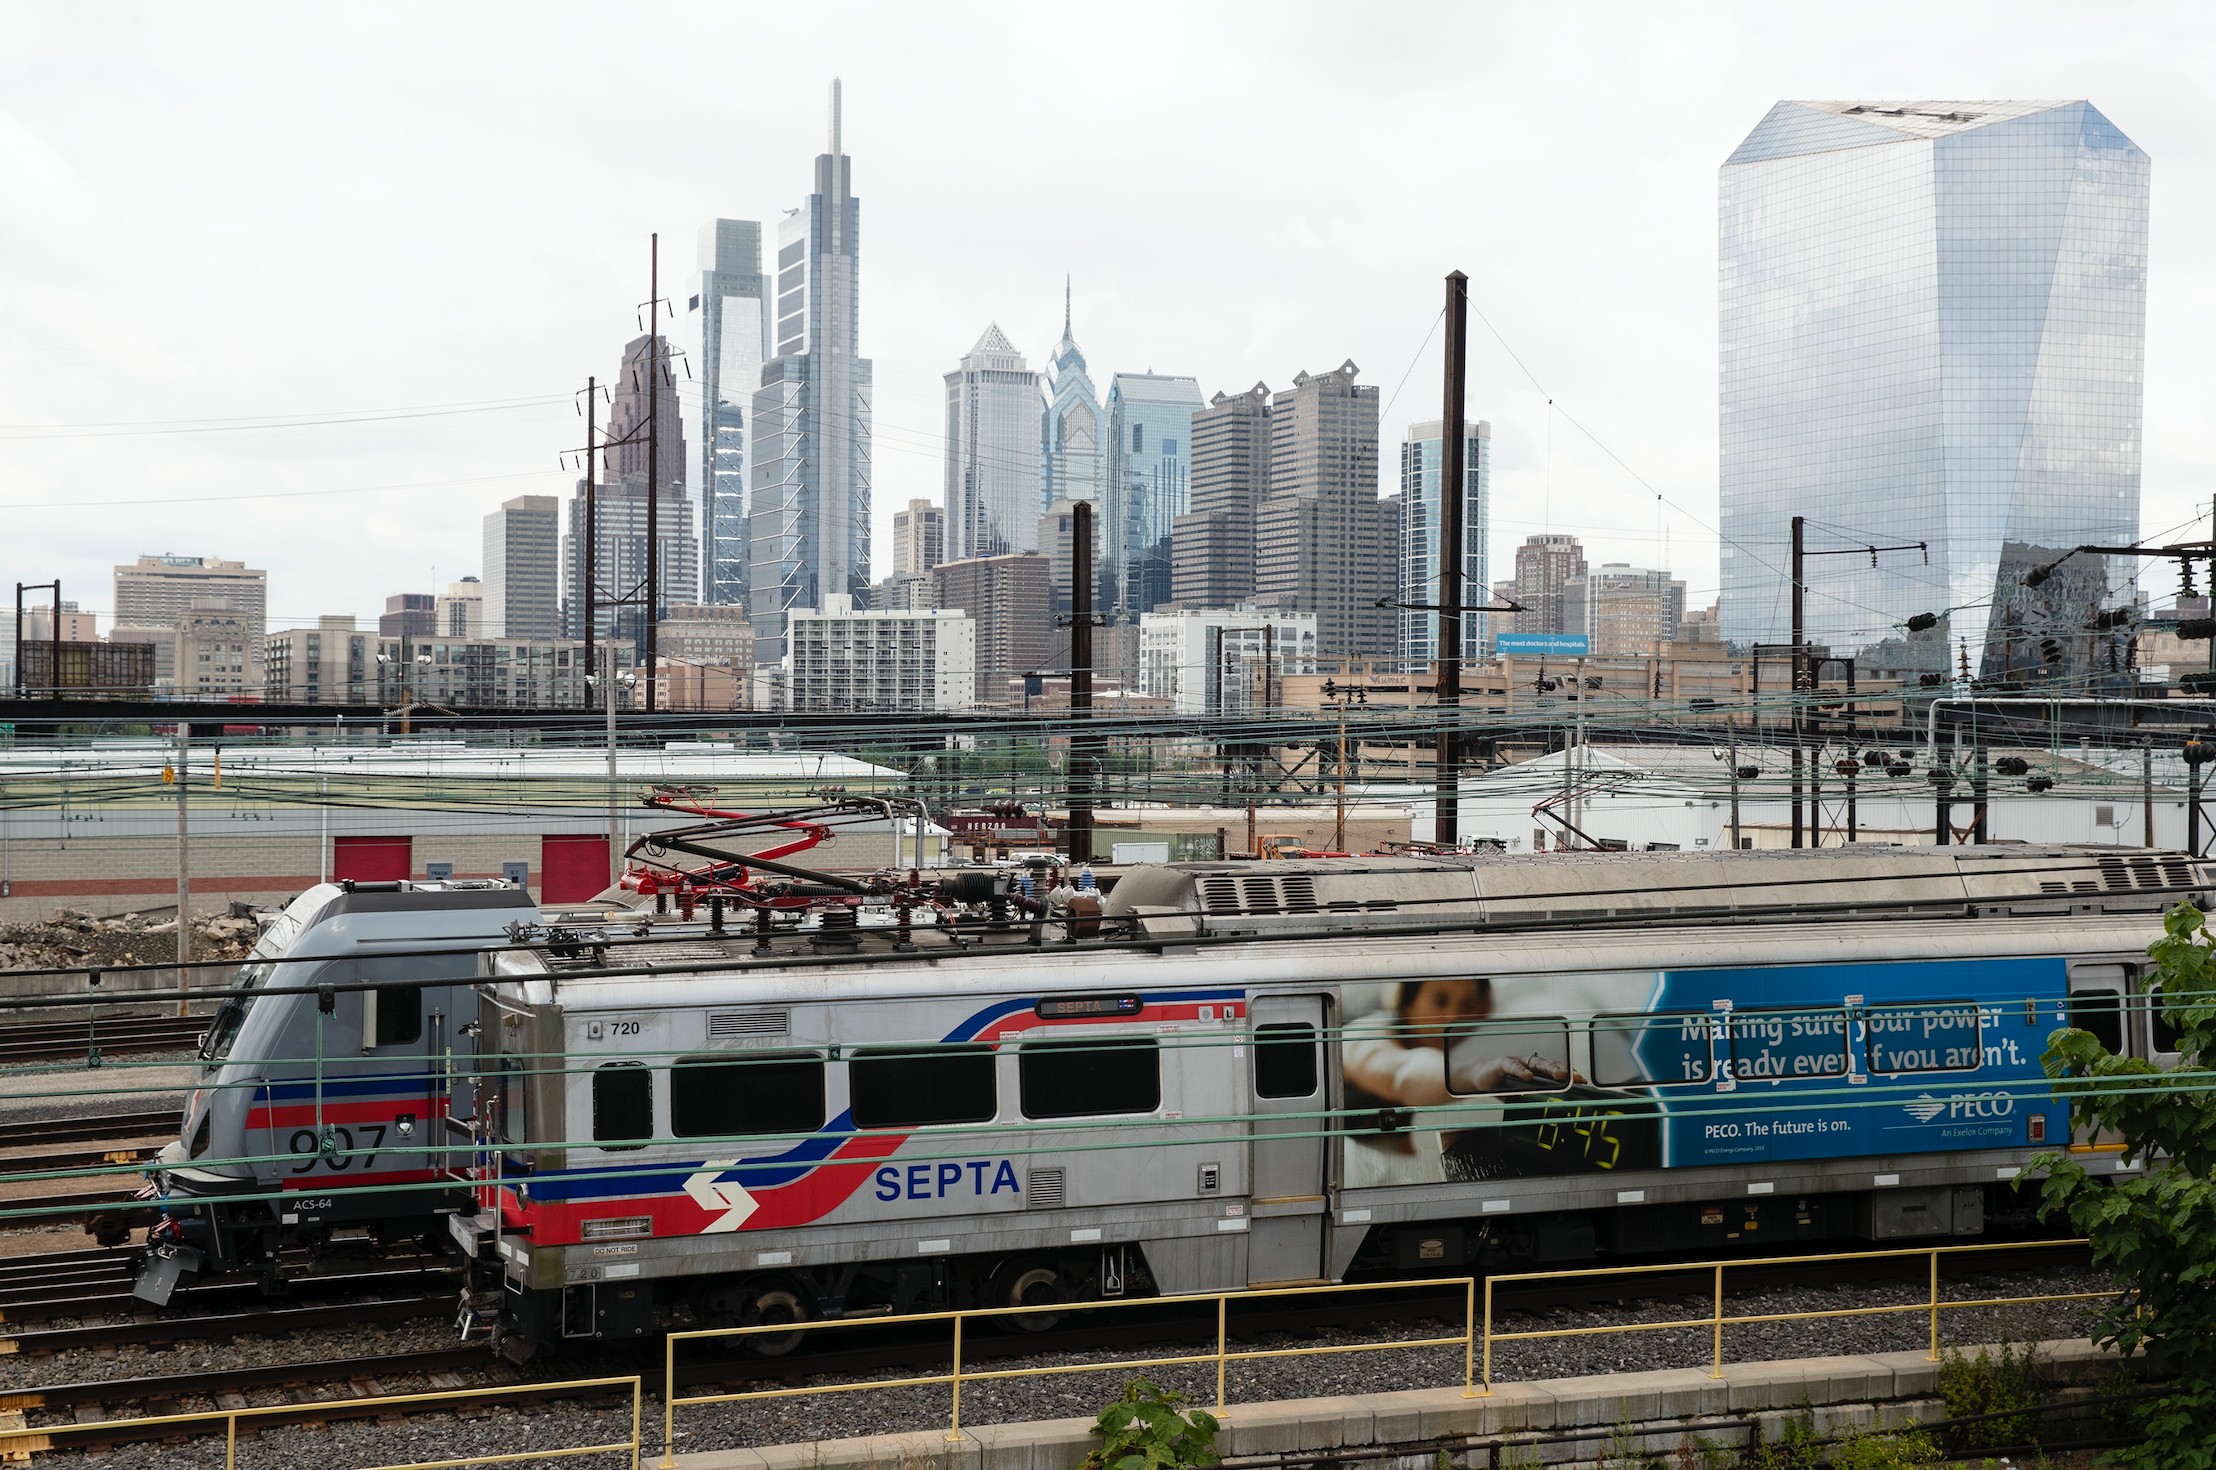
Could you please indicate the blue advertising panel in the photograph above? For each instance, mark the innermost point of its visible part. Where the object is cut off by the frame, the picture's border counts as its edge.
(1567, 645)
(1685, 1068)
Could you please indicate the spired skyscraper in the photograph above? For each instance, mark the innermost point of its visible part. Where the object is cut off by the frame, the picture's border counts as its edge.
(1070, 436)
(734, 342)
(992, 451)
(1933, 329)
(808, 515)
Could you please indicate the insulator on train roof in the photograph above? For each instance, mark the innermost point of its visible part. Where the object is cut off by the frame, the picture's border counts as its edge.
(1897, 768)
(1928, 681)
(2039, 783)
(2012, 765)
(1850, 767)
(2196, 628)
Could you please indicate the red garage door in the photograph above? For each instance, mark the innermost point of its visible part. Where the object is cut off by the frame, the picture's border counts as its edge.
(372, 859)
(572, 868)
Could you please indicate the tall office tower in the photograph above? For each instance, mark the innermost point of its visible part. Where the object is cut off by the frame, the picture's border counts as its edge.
(1545, 566)
(1323, 539)
(1623, 609)
(523, 569)
(1933, 325)
(808, 512)
(619, 561)
(1212, 545)
(1145, 488)
(733, 303)
(1009, 599)
(620, 498)
(1070, 436)
(153, 590)
(992, 451)
(1421, 476)
(919, 538)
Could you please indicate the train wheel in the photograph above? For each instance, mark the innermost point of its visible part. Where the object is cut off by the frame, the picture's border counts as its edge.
(1028, 1283)
(774, 1303)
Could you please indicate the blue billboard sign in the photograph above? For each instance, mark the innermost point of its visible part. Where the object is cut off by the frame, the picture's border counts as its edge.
(1566, 645)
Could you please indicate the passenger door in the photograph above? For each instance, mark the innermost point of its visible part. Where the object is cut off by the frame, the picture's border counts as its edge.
(1289, 1097)
(2097, 1004)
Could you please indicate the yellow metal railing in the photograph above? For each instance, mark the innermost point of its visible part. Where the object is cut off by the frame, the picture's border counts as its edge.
(54, 1437)
(1716, 1321)
(1476, 1338)
(957, 1375)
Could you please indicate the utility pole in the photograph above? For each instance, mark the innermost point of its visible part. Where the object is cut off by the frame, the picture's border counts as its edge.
(1800, 682)
(2146, 796)
(1081, 681)
(608, 699)
(184, 872)
(1446, 821)
(1733, 727)
(588, 631)
(1339, 814)
(653, 610)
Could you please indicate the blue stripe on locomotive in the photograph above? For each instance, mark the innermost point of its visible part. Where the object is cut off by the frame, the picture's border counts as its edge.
(1788, 1100)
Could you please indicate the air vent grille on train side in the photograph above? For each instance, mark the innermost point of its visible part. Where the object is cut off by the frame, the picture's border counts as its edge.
(749, 1023)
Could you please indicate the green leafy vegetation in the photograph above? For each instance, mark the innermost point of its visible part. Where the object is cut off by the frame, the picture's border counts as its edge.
(2157, 1232)
(1149, 1430)
(2009, 1385)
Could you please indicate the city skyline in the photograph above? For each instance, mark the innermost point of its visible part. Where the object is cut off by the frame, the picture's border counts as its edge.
(1637, 373)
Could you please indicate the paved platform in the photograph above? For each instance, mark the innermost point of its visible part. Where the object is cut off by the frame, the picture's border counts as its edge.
(1880, 1390)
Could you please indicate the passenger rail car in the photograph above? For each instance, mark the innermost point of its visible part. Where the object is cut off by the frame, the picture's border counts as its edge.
(1294, 1072)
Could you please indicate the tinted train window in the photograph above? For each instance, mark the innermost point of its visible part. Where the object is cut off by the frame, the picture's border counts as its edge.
(1651, 1050)
(2100, 1012)
(911, 1087)
(399, 1015)
(1509, 1054)
(1285, 1059)
(726, 1097)
(1082, 1079)
(622, 1105)
(1935, 1036)
(2164, 1033)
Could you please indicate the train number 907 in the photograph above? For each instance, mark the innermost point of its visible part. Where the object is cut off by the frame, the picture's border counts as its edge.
(347, 1151)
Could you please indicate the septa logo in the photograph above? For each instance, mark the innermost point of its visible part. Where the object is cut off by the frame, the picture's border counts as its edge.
(1925, 1107)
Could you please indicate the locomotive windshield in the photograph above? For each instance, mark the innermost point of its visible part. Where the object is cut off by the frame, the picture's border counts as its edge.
(223, 1027)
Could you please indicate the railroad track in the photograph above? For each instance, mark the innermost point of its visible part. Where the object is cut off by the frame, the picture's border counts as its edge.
(61, 1041)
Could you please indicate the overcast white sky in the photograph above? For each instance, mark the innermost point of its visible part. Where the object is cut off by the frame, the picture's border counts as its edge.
(232, 212)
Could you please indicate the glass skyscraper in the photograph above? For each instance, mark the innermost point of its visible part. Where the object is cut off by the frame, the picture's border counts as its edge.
(1421, 475)
(1070, 435)
(808, 516)
(992, 451)
(734, 342)
(1148, 485)
(1932, 329)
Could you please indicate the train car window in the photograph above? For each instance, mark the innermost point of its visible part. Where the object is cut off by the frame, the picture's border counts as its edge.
(508, 1102)
(1509, 1054)
(913, 1087)
(733, 1096)
(399, 1014)
(2100, 1012)
(1091, 1078)
(1772, 1045)
(622, 1105)
(1928, 1036)
(2161, 1032)
(1651, 1050)
(1285, 1059)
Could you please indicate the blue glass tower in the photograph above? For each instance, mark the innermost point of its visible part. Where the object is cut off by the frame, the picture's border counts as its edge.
(1147, 486)
(1933, 327)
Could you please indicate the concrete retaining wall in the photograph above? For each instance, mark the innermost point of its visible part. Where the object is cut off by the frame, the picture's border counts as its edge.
(1663, 1409)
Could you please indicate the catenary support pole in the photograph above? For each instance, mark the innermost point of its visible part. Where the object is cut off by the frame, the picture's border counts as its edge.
(184, 872)
(2146, 796)
(588, 630)
(1446, 822)
(608, 699)
(1081, 682)
(651, 614)
(1800, 684)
